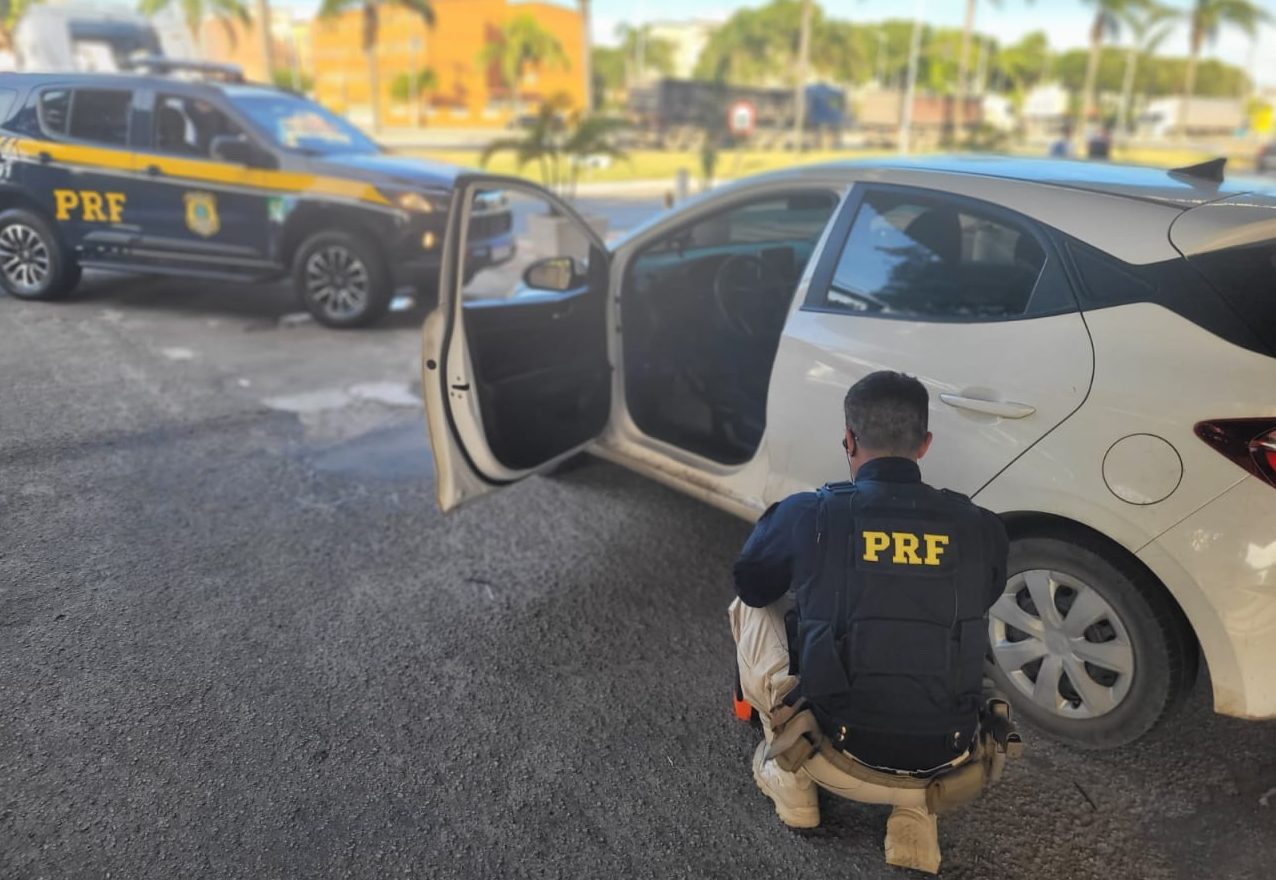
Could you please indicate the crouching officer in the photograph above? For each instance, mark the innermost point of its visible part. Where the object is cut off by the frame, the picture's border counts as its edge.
(871, 686)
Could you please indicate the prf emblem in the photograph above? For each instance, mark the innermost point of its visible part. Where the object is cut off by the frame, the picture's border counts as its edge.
(903, 548)
(201, 214)
(88, 205)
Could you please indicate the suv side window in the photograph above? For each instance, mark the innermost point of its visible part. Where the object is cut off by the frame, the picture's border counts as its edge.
(100, 116)
(55, 111)
(927, 257)
(186, 126)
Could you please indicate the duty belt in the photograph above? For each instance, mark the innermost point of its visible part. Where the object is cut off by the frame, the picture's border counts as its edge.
(797, 738)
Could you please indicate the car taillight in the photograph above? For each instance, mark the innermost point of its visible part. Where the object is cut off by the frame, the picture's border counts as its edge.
(1251, 443)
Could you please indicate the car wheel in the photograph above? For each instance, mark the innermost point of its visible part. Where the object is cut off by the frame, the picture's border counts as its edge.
(34, 264)
(1087, 645)
(342, 279)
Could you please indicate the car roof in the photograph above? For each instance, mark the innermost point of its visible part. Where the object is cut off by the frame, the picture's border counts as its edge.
(1123, 210)
(1160, 185)
(126, 80)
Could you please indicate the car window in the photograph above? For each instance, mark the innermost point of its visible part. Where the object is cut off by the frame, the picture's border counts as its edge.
(100, 116)
(799, 217)
(187, 126)
(915, 256)
(300, 125)
(7, 97)
(55, 111)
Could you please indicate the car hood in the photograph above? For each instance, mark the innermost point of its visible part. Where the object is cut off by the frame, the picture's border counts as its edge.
(388, 169)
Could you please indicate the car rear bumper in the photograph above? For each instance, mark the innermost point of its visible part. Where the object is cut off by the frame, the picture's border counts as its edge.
(1220, 564)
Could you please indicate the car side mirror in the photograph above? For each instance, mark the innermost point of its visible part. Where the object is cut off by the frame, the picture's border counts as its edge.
(234, 148)
(558, 274)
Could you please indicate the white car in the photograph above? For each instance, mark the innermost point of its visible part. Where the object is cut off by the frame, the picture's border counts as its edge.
(1098, 344)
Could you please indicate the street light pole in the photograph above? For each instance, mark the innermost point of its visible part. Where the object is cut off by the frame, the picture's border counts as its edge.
(799, 88)
(914, 50)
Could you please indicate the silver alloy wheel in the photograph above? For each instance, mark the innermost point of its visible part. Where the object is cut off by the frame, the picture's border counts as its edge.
(337, 280)
(24, 258)
(1061, 644)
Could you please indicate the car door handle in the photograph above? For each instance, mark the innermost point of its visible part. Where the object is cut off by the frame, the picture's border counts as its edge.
(1003, 408)
(153, 170)
(45, 157)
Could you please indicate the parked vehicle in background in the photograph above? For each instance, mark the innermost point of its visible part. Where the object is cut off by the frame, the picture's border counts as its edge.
(217, 179)
(90, 39)
(1206, 117)
(673, 113)
(1098, 340)
(1265, 161)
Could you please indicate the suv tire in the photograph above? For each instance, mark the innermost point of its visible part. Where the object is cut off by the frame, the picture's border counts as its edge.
(1136, 626)
(342, 279)
(34, 264)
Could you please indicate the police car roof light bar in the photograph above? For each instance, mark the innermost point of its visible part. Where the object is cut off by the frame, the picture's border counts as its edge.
(230, 73)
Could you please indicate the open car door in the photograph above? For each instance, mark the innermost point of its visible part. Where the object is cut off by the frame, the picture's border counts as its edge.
(515, 369)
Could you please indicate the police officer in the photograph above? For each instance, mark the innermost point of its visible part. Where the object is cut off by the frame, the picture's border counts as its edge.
(871, 686)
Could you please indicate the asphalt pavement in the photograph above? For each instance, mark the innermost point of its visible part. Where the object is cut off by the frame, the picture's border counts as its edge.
(238, 640)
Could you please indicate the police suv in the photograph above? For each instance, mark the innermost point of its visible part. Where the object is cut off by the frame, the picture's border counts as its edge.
(216, 178)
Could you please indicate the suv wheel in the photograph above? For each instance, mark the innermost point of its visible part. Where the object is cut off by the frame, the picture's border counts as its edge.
(33, 262)
(1087, 646)
(342, 279)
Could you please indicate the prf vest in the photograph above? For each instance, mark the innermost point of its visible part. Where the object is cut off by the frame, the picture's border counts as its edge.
(891, 630)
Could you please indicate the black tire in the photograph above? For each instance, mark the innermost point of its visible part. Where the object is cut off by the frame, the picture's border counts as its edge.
(34, 263)
(1164, 651)
(342, 279)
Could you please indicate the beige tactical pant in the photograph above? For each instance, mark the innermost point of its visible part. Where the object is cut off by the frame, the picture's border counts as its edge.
(762, 654)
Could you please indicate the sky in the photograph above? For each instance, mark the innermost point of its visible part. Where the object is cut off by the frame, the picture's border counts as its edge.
(1066, 21)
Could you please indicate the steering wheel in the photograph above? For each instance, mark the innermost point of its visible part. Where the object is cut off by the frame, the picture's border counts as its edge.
(739, 288)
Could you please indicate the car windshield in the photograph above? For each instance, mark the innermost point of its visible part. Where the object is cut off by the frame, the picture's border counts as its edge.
(296, 124)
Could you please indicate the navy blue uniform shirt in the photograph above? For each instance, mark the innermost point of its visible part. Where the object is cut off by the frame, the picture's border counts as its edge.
(781, 551)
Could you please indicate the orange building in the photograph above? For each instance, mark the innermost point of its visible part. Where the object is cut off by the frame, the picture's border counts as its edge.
(230, 42)
(467, 94)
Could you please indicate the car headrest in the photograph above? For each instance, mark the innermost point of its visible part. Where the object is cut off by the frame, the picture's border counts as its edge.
(939, 230)
(171, 124)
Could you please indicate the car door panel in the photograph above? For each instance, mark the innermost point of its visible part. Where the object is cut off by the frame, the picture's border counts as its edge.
(513, 383)
(192, 208)
(997, 386)
(534, 408)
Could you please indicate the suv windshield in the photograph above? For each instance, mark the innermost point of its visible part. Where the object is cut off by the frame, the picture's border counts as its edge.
(296, 124)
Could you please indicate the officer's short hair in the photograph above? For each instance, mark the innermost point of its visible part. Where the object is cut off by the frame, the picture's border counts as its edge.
(888, 412)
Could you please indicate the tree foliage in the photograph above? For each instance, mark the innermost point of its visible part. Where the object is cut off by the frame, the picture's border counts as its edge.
(195, 11)
(401, 86)
(522, 43)
(755, 46)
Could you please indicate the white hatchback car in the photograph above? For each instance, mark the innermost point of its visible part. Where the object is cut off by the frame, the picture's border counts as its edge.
(1097, 340)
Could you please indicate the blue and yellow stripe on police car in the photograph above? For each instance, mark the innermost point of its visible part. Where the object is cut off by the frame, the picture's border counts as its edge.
(182, 170)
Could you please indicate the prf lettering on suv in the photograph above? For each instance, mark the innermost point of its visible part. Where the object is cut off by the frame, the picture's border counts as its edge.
(215, 178)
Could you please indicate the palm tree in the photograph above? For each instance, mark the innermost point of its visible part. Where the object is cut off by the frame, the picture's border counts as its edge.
(1205, 19)
(226, 12)
(267, 45)
(1148, 26)
(522, 43)
(330, 9)
(1108, 15)
(963, 62)
(642, 52)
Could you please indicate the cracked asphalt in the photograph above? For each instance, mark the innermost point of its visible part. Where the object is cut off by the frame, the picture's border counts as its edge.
(238, 640)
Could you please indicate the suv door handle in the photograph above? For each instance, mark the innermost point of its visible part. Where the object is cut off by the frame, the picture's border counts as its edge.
(1003, 408)
(153, 170)
(45, 157)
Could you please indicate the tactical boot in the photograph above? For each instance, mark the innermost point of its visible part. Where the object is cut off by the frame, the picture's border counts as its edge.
(795, 797)
(912, 839)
